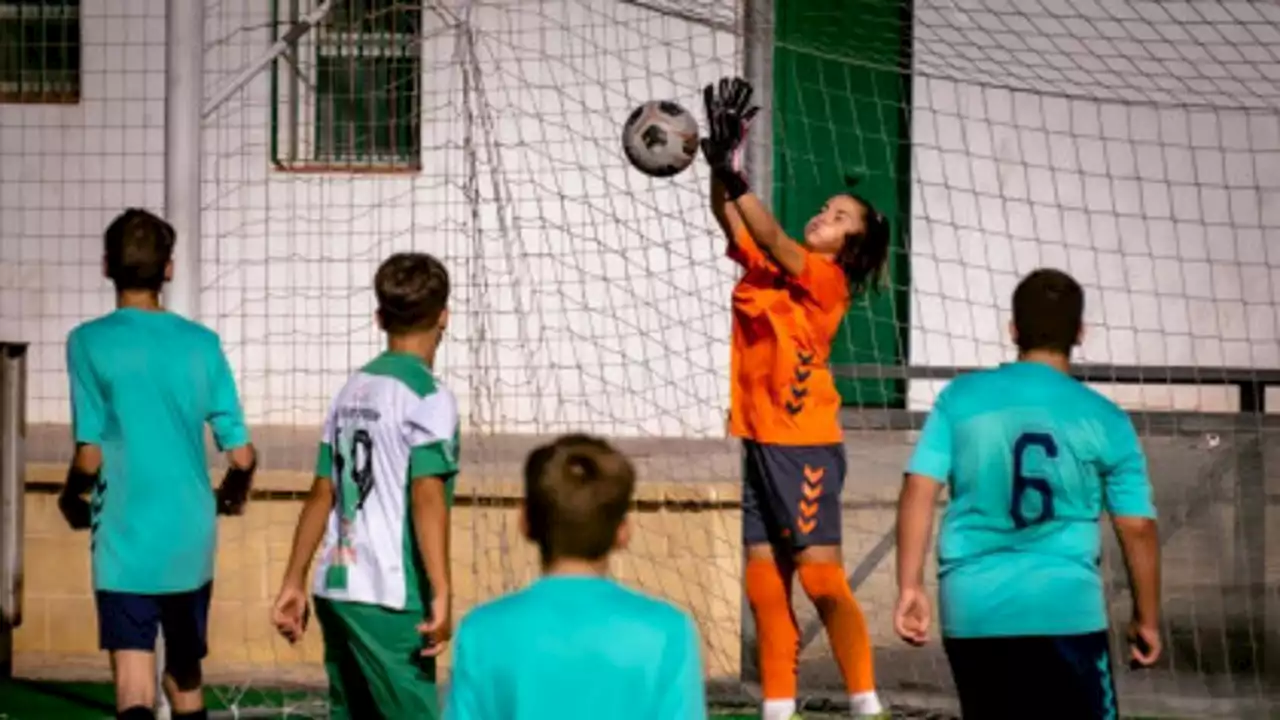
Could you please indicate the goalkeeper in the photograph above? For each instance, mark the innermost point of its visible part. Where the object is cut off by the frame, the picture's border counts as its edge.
(143, 384)
(786, 310)
(380, 502)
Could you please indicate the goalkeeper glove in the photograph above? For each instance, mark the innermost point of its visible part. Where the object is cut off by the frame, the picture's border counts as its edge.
(729, 115)
(234, 491)
(71, 502)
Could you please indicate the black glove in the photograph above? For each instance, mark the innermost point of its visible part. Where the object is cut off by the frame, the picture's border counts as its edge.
(729, 115)
(234, 491)
(71, 502)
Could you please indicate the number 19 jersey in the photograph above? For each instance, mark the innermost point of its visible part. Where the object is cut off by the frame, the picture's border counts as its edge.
(1031, 458)
(389, 426)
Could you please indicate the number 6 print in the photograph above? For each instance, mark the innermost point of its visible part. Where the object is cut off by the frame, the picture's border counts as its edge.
(1023, 483)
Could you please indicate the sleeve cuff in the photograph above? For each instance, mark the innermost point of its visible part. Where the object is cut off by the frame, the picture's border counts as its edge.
(934, 466)
(431, 461)
(232, 439)
(324, 461)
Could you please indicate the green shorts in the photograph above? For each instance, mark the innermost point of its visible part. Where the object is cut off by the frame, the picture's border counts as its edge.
(371, 655)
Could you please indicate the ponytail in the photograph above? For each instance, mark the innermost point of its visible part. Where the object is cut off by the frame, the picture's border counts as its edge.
(865, 255)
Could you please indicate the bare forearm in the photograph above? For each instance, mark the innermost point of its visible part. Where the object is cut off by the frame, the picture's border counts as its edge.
(431, 530)
(914, 528)
(1140, 542)
(725, 214)
(768, 234)
(87, 459)
(243, 457)
(306, 537)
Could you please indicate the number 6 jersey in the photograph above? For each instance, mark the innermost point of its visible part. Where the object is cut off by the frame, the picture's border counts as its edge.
(1032, 458)
(389, 426)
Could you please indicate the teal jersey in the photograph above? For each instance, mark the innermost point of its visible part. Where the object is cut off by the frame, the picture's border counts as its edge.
(1032, 458)
(143, 386)
(570, 648)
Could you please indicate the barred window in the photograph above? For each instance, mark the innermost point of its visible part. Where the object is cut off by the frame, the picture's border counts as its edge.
(39, 51)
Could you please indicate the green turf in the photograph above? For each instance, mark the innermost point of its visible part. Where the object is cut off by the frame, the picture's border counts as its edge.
(35, 700)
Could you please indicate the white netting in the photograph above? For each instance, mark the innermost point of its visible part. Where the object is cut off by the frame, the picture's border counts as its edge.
(1134, 144)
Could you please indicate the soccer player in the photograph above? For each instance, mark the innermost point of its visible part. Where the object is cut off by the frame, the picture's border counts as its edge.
(576, 645)
(787, 308)
(144, 382)
(380, 502)
(1031, 457)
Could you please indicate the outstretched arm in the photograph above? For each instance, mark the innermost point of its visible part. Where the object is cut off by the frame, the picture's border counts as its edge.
(739, 212)
(768, 234)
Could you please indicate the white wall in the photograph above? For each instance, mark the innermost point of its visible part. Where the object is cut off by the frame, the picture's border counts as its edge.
(65, 171)
(1159, 190)
(586, 295)
(589, 295)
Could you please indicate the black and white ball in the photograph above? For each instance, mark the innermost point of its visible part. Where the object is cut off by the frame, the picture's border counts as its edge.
(660, 138)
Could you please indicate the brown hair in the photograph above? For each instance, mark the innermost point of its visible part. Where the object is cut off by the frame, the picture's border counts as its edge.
(1048, 311)
(412, 291)
(865, 255)
(138, 246)
(577, 492)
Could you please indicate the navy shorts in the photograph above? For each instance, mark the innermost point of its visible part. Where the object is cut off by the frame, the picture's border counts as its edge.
(1065, 677)
(791, 494)
(130, 621)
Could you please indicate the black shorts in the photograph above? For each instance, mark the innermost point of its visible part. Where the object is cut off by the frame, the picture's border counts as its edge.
(1065, 677)
(791, 494)
(130, 621)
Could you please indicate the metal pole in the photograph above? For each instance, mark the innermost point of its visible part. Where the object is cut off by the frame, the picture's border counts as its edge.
(757, 66)
(184, 93)
(286, 43)
(13, 435)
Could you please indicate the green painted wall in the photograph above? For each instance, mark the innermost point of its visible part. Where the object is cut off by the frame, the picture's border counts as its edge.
(841, 107)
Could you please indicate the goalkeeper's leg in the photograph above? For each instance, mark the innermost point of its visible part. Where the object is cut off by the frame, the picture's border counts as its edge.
(805, 483)
(768, 578)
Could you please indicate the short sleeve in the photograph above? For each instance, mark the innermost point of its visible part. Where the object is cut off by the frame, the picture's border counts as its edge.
(684, 680)
(932, 455)
(431, 431)
(88, 410)
(324, 452)
(1126, 487)
(823, 281)
(226, 416)
(744, 251)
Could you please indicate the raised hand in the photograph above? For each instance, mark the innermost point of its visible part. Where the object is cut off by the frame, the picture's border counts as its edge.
(729, 116)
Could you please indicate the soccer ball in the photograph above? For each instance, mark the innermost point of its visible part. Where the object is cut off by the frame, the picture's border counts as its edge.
(660, 138)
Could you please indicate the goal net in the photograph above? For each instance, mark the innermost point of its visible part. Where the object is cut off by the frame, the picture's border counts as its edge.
(1135, 145)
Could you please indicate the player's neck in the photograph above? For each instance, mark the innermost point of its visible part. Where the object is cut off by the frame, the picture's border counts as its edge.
(576, 566)
(1055, 360)
(418, 344)
(138, 300)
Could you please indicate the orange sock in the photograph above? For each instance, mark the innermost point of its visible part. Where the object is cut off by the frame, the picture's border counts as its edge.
(827, 587)
(777, 634)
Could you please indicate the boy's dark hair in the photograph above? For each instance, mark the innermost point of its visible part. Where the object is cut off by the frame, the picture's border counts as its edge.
(138, 247)
(577, 491)
(412, 291)
(864, 256)
(1048, 311)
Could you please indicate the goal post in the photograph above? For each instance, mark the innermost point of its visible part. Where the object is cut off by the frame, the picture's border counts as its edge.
(13, 440)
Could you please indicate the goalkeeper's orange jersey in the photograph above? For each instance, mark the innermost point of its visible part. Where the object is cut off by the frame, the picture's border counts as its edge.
(782, 391)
